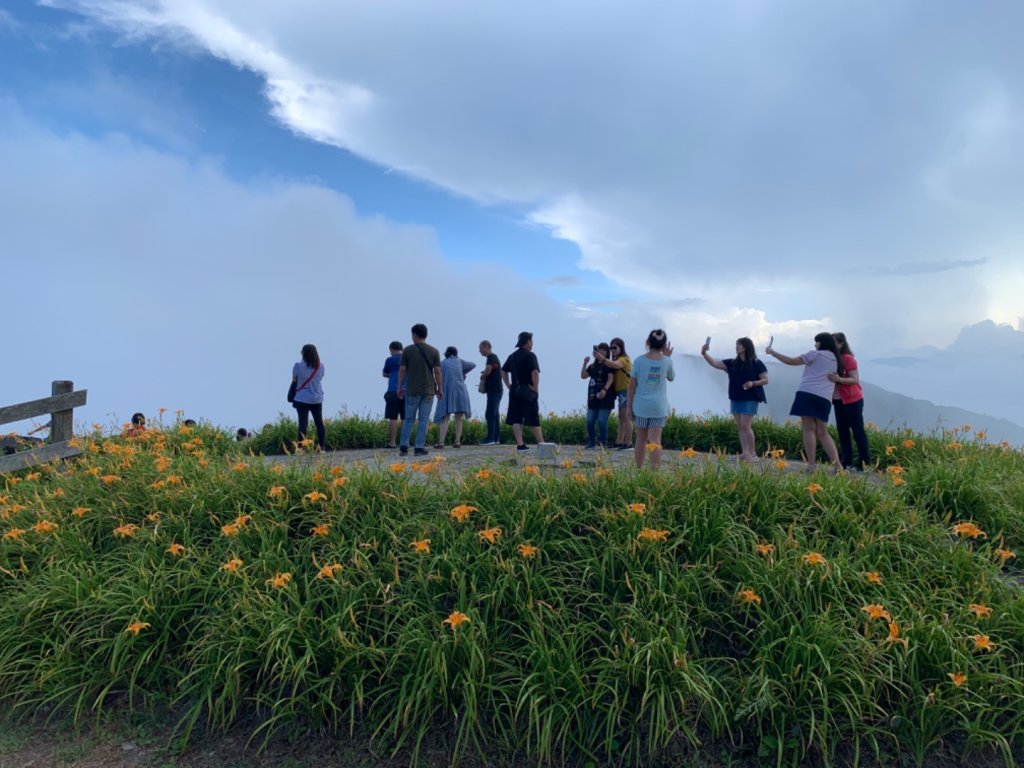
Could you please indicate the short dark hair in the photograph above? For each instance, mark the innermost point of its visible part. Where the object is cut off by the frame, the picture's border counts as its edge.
(656, 339)
(603, 345)
(451, 352)
(189, 422)
(242, 433)
(138, 420)
(396, 346)
(310, 356)
(419, 330)
(486, 343)
(524, 337)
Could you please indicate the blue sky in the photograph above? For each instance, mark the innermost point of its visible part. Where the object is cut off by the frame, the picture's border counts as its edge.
(204, 185)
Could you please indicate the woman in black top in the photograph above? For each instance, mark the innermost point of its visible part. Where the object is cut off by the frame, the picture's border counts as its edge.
(747, 379)
(600, 393)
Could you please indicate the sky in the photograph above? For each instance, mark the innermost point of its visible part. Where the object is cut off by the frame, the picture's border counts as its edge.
(191, 190)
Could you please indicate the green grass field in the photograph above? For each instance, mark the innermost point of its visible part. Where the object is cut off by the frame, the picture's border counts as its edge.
(564, 615)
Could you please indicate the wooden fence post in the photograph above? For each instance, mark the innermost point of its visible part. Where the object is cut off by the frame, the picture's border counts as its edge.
(62, 424)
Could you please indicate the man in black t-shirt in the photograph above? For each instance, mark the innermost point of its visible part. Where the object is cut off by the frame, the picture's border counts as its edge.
(490, 376)
(521, 374)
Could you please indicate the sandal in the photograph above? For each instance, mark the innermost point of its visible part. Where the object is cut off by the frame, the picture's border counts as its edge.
(457, 445)
(439, 446)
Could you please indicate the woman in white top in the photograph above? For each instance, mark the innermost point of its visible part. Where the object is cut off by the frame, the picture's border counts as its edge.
(813, 401)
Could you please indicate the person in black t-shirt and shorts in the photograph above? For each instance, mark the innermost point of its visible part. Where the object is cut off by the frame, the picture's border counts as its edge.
(521, 374)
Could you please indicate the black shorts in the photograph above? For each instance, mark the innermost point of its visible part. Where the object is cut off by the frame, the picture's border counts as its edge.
(393, 407)
(521, 412)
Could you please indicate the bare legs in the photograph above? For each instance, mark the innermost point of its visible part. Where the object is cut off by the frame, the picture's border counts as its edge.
(625, 433)
(517, 433)
(744, 423)
(816, 431)
(645, 435)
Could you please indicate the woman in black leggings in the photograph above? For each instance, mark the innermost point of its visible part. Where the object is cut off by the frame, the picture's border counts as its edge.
(849, 405)
(308, 375)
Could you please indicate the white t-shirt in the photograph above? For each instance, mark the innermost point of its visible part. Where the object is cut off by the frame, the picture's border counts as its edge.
(818, 364)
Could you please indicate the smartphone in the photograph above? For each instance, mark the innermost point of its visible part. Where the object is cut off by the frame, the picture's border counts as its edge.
(771, 342)
(707, 341)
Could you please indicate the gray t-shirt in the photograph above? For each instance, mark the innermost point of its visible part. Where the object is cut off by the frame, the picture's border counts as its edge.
(818, 364)
(650, 400)
(313, 392)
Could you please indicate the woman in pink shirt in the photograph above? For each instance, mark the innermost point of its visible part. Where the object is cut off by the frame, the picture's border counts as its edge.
(813, 400)
(849, 404)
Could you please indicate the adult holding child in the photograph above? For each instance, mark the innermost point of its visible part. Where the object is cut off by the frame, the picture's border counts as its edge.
(747, 379)
(813, 400)
(308, 394)
(456, 396)
(647, 397)
(600, 394)
(849, 405)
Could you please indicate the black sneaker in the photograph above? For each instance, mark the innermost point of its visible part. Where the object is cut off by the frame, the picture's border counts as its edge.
(522, 447)
(403, 450)
(421, 451)
(625, 447)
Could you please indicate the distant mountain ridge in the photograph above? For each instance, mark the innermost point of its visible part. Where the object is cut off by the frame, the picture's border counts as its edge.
(884, 408)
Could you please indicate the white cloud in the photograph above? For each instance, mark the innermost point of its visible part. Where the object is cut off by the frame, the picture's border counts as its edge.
(772, 156)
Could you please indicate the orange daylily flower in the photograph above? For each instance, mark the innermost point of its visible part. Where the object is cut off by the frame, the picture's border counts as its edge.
(895, 469)
(33, 476)
(527, 550)
(320, 530)
(339, 482)
(337, 470)
(982, 643)
(909, 443)
(764, 549)
(279, 580)
(781, 464)
(1005, 554)
(897, 480)
(490, 534)
(980, 611)
(230, 529)
(276, 491)
(79, 511)
(890, 450)
(894, 634)
(957, 678)
(315, 496)
(45, 526)
(813, 488)
(232, 565)
(579, 477)
(462, 512)
(954, 446)
(531, 469)
(243, 520)
(456, 619)
(653, 535)
(876, 611)
(688, 453)
(330, 571)
(980, 435)
(240, 466)
(126, 531)
(814, 558)
(176, 549)
(748, 596)
(873, 577)
(136, 626)
(567, 464)
(14, 534)
(109, 479)
(484, 474)
(637, 508)
(421, 546)
(969, 530)
(397, 467)
(652, 447)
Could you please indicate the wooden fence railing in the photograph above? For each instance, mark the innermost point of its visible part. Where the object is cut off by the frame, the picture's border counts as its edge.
(60, 406)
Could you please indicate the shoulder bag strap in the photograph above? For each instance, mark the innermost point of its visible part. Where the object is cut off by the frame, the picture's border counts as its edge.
(310, 377)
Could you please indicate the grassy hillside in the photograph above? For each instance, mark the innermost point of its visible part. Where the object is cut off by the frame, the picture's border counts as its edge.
(550, 614)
